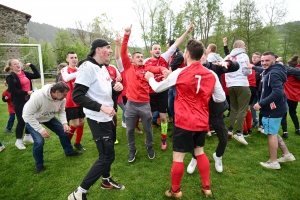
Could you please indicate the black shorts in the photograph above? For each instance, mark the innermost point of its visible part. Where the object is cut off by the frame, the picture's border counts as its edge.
(74, 113)
(187, 141)
(159, 102)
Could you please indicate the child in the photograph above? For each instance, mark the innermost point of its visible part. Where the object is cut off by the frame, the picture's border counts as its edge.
(6, 98)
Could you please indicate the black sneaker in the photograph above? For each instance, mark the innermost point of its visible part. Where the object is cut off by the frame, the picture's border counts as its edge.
(109, 183)
(77, 195)
(79, 147)
(151, 153)
(285, 135)
(132, 154)
(39, 169)
(297, 131)
(74, 153)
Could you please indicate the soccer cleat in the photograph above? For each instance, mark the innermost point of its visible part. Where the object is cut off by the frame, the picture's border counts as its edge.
(74, 153)
(77, 195)
(169, 193)
(20, 145)
(132, 154)
(109, 183)
(39, 169)
(79, 147)
(28, 138)
(207, 191)
(270, 165)
(151, 153)
(2, 147)
(124, 125)
(286, 158)
(218, 163)
(164, 144)
(285, 135)
(240, 138)
(192, 166)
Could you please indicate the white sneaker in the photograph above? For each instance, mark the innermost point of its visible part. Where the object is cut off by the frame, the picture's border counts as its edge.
(270, 165)
(208, 134)
(240, 138)
(261, 129)
(218, 163)
(2, 148)
(28, 138)
(20, 145)
(286, 158)
(192, 165)
(77, 195)
(124, 124)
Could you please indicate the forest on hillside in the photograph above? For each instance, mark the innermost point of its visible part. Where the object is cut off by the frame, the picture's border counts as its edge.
(159, 23)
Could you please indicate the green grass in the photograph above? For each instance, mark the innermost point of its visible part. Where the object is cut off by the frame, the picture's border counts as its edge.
(242, 178)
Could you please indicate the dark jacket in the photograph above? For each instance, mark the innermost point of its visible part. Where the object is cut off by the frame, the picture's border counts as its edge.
(177, 60)
(273, 92)
(218, 108)
(19, 96)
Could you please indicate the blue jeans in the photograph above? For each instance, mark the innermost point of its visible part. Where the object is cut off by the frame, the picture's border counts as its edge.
(38, 146)
(123, 111)
(10, 122)
(171, 98)
(155, 116)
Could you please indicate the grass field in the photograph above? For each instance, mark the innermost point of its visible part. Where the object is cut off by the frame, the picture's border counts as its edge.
(242, 178)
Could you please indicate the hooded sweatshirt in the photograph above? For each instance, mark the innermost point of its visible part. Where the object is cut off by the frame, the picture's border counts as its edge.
(214, 57)
(42, 108)
(239, 77)
(273, 92)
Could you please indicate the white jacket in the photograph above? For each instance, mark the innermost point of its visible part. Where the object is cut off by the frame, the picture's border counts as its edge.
(42, 108)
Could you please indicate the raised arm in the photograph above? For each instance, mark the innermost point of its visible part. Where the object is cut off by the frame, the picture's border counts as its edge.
(124, 54)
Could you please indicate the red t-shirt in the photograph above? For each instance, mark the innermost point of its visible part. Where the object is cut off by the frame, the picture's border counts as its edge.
(9, 102)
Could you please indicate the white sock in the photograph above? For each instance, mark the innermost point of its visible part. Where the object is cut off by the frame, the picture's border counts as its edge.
(19, 141)
(82, 190)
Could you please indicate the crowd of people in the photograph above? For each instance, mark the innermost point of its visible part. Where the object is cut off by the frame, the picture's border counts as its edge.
(194, 88)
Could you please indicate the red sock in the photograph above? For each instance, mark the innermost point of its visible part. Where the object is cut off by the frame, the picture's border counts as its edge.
(204, 170)
(72, 130)
(176, 174)
(249, 120)
(79, 133)
(163, 136)
(245, 126)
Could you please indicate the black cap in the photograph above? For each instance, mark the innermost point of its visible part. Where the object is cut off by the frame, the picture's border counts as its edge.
(98, 42)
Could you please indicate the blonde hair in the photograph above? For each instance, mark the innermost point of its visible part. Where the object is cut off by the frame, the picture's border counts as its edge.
(8, 65)
(60, 66)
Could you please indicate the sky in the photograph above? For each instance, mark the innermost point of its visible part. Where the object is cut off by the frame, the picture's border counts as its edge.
(64, 13)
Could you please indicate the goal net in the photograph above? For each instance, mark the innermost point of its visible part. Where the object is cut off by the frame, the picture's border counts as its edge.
(26, 53)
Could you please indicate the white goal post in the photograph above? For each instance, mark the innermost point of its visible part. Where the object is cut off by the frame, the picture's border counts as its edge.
(39, 54)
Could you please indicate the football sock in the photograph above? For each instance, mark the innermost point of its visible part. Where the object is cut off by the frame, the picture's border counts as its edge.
(204, 170)
(177, 171)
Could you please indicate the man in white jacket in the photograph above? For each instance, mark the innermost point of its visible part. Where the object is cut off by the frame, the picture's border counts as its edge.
(41, 108)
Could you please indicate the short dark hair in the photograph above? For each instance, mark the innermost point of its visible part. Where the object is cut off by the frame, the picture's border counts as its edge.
(136, 52)
(171, 42)
(70, 52)
(269, 53)
(195, 48)
(60, 87)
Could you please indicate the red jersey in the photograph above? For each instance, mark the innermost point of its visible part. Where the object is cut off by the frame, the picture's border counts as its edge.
(137, 86)
(252, 78)
(292, 89)
(68, 76)
(8, 101)
(113, 72)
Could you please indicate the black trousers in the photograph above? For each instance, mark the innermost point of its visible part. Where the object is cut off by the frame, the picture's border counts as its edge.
(219, 126)
(21, 124)
(103, 136)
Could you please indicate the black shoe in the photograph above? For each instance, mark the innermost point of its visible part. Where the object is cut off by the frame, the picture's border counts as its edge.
(79, 147)
(285, 135)
(109, 183)
(155, 124)
(39, 169)
(297, 131)
(74, 153)
(132, 154)
(151, 153)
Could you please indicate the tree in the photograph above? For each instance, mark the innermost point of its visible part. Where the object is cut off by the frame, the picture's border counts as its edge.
(290, 40)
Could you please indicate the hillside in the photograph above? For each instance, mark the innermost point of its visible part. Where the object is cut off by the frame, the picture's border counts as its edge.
(42, 32)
